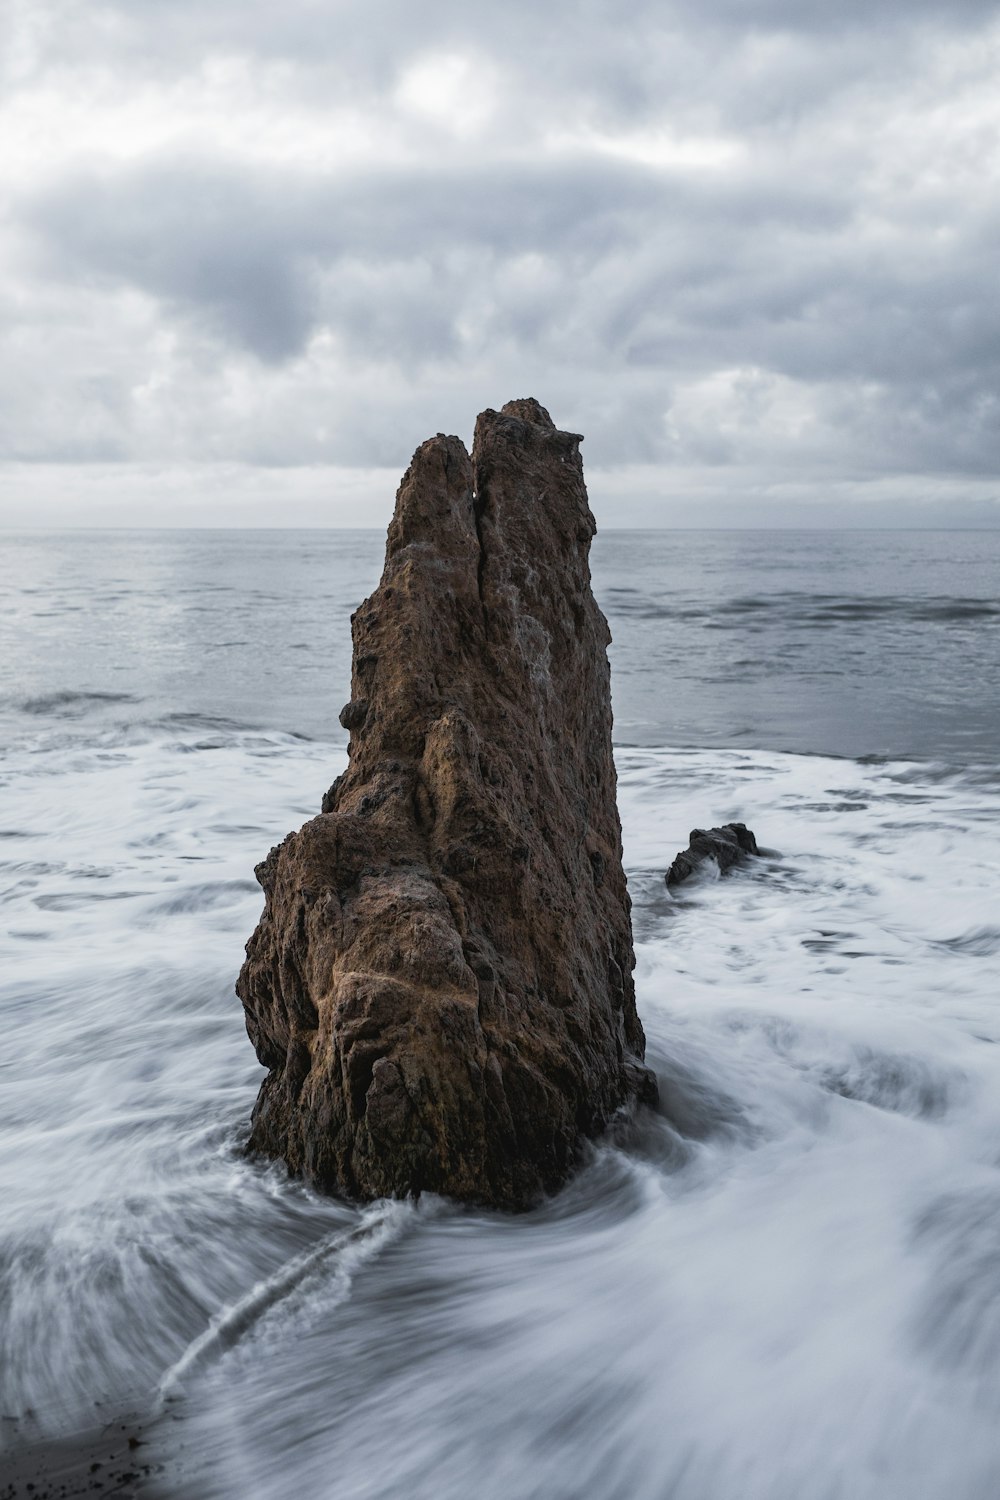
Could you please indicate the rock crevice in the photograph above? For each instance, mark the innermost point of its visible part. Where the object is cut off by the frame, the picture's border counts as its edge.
(440, 984)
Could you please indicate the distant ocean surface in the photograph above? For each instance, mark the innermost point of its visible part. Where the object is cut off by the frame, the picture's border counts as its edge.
(828, 643)
(782, 1287)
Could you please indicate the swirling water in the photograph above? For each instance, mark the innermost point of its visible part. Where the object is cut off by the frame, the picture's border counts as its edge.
(783, 1285)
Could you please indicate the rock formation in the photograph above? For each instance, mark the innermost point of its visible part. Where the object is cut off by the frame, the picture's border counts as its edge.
(726, 845)
(441, 981)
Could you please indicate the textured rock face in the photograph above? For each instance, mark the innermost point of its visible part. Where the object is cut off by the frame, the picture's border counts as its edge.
(726, 845)
(441, 981)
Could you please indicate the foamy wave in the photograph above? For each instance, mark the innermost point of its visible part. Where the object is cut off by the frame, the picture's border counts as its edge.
(337, 1258)
(785, 1273)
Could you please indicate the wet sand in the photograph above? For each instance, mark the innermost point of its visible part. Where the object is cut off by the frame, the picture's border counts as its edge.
(114, 1459)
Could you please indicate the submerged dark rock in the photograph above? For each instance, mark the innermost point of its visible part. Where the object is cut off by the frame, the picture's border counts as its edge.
(726, 845)
(441, 982)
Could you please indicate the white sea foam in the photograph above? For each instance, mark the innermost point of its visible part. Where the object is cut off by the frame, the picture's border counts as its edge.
(782, 1286)
(333, 1261)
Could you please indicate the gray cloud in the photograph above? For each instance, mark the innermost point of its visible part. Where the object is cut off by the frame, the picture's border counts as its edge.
(760, 247)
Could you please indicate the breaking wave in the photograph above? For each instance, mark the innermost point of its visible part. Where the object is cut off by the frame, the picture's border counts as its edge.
(785, 1272)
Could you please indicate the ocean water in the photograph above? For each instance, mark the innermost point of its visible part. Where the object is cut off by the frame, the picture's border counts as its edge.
(782, 1285)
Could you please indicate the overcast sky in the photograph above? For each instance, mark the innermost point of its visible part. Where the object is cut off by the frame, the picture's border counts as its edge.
(252, 252)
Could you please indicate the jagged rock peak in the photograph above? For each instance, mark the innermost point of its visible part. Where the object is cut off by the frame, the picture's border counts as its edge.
(441, 982)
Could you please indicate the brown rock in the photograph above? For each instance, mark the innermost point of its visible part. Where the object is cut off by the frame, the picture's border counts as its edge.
(441, 981)
(726, 845)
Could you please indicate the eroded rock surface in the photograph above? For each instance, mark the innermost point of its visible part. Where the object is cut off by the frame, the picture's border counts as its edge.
(441, 981)
(726, 845)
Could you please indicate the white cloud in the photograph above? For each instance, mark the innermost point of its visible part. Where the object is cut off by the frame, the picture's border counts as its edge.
(281, 238)
(454, 91)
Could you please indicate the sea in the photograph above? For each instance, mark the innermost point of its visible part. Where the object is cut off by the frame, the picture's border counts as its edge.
(783, 1285)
